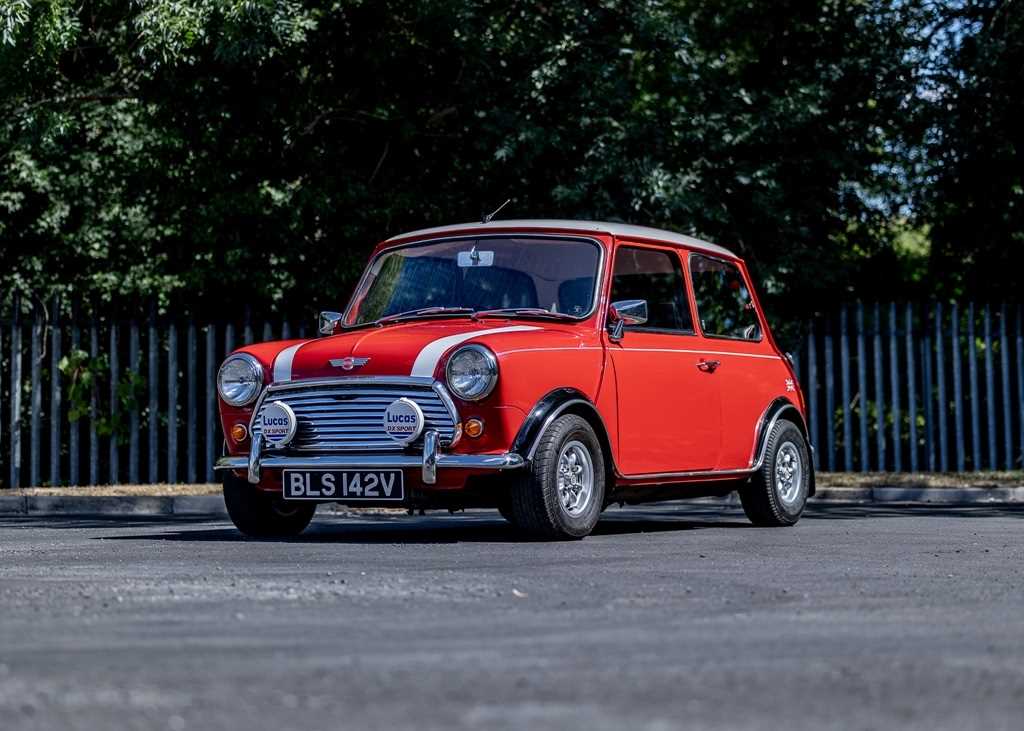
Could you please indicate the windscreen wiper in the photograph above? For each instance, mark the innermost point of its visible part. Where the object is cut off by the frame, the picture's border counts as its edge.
(424, 312)
(523, 312)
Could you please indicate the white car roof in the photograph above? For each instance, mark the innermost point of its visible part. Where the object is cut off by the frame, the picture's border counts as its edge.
(616, 229)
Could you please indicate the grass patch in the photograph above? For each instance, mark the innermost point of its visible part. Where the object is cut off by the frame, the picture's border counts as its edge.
(921, 479)
(159, 490)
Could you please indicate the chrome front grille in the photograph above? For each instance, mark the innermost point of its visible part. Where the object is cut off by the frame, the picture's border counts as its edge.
(347, 415)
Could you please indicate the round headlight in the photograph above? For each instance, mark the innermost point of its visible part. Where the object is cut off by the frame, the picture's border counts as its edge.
(239, 379)
(472, 372)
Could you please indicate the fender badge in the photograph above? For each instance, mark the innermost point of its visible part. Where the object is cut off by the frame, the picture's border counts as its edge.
(348, 363)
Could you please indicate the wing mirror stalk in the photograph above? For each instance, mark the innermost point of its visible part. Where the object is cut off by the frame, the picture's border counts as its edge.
(623, 313)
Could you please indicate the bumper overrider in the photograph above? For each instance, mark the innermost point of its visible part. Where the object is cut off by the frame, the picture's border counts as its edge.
(428, 455)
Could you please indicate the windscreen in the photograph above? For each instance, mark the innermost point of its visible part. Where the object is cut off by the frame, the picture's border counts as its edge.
(555, 274)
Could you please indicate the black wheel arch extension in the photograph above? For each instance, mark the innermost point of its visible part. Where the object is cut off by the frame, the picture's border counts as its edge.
(552, 405)
(782, 409)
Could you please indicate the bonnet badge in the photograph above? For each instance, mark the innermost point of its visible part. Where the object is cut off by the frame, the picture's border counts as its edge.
(348, 363)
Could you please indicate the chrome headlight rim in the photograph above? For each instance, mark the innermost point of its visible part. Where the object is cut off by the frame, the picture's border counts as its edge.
(255, 367)
(492, 366)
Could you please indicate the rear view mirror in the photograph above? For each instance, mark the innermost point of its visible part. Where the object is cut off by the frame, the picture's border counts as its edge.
(474, 258)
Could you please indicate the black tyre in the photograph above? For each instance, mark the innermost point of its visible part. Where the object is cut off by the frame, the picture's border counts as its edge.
(777, 493)
(562, 495)
(260, 515)
(505, 508)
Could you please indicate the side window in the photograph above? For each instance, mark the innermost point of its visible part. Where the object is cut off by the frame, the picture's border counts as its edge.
(655, 276)
(723, 300)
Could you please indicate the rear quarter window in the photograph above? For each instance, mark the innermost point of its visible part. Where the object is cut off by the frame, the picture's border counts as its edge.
(724, 305)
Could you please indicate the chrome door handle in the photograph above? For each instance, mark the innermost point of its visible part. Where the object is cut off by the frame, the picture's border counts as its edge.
(708, 366)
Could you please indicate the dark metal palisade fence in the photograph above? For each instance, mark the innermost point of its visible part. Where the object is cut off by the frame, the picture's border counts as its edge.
(897, 387)
(912, 387)
(94, 399)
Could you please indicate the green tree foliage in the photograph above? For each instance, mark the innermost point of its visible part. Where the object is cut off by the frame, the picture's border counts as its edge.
(976, 156)
(218, 154)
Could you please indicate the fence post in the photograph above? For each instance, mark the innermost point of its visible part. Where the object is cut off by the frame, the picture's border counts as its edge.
(911, 386)
(812, 383)
(1020, 380)
(972, 372)
(1004, 368)
(74, 430)
(958, 387)
(114, 458)
(929, 417)
(55, 391)
(247, 331)
(862, 389)
(153, 343)
(2, 485)
(941, 413)
(134, 364)
(990, 391)
(15, 464)
(172, 403)
(94, 442)
(35, 417)
(190, 403)
(830, 401)
(844, 355)
(211, 399)
(879, 390)
(894, 384)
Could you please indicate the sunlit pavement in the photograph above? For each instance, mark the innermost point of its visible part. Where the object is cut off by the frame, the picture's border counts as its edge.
(669, 616)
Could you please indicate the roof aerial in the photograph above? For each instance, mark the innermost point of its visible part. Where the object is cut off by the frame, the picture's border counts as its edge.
(615, 229)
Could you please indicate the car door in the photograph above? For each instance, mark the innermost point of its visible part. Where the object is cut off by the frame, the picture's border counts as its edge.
(749, 374)
(668, 407)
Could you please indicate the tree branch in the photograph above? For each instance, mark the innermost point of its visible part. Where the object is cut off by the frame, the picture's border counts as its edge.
(73, 99)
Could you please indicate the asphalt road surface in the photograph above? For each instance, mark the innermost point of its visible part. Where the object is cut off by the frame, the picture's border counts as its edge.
(668, 617)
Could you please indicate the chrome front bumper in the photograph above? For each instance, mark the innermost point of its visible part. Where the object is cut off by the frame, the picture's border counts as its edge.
(429, 462)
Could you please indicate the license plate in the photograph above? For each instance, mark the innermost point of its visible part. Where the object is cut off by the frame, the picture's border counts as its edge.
(371, 485)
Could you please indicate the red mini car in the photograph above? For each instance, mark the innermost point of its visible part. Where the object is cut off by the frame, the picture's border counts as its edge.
(543, 368)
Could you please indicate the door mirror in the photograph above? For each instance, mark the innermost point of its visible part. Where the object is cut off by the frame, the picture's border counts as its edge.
(626, 312)
(631, 312)
(329, 322)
